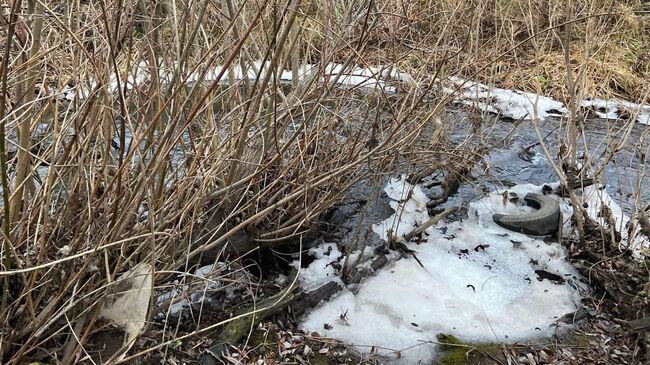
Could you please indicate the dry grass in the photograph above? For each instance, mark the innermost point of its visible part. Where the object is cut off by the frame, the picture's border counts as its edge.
(517, 43)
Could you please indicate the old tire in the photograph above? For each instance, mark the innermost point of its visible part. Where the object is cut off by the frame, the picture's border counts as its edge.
(542, 222)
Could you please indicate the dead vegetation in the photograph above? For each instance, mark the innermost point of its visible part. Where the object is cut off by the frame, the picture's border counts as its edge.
(172, 170)
(518, 44)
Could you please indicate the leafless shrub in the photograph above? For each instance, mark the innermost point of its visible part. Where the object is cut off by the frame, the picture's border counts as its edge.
(165, 153)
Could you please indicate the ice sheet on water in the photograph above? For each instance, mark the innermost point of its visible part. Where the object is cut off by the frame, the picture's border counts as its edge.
(514, 104)
(478, 283)
(511, 103)
(612, 109)
(355, 77)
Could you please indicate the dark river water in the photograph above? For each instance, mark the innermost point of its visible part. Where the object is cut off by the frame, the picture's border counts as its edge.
(625, 175)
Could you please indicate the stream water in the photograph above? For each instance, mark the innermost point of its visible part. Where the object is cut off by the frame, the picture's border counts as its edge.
(625, 176)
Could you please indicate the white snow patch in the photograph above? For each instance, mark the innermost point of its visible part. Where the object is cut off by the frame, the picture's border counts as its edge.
(515, 104)
(602, 108)
(410, 205)
(595, 199)
(355, 77)
(611, 109)
(478, 283)
(519, 104)
(320, 271)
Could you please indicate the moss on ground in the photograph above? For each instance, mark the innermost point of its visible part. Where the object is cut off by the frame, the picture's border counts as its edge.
(320, 359)
(456, 352)
(262, 341)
